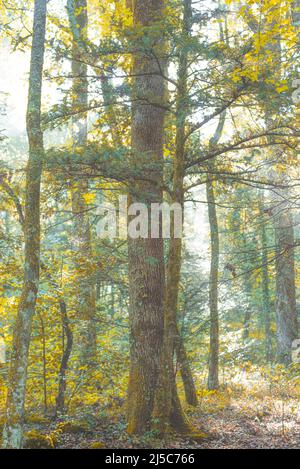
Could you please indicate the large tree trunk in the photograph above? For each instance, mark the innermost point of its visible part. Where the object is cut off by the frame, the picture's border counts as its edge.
(82, 240)
(145, 256)
(286, 313)
(13, 431)
(281, 211)
(286, 310)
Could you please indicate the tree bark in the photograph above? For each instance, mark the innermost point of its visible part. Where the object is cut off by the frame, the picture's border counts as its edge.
(67, 349)
(13, 431)
(168, 410)
(213, 367)
(265, 286)
(43, 330)
(286, 309)
(248, 264)
(146, 256)
(186, 373)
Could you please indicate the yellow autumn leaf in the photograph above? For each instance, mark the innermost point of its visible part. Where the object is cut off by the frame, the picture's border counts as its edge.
(89, 198)
(282, 88)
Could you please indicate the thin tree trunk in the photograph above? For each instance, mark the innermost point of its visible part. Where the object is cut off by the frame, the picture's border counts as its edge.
(186, 373)
(168, 407)
(82, 240)
(145, 256)
(60, 399)
(65, 321)
(13, 431)
(67, 349)
(248, 291)
(266, 303)
(247, 321)
(44, 363)
(110, 110)
(213, 366)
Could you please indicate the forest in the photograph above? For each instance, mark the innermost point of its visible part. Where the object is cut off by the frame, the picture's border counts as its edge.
(149, 224)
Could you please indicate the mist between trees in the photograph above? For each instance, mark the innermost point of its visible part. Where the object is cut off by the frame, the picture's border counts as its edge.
(149, 224)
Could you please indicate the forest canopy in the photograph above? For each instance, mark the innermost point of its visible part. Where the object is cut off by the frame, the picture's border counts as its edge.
(149, 224)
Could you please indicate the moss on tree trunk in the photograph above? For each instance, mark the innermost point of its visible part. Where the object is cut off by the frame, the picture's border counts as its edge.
(13, 431)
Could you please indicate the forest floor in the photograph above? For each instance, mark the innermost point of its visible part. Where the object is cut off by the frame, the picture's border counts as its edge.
(252, 411)
(234, 426)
